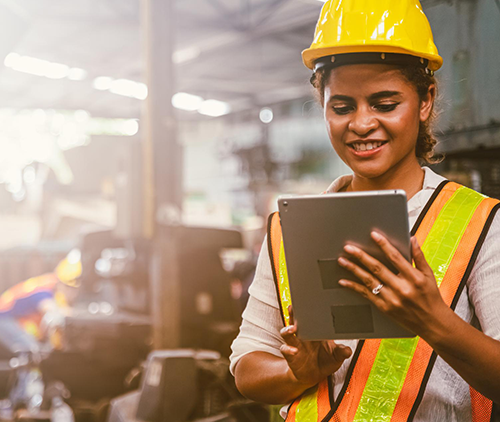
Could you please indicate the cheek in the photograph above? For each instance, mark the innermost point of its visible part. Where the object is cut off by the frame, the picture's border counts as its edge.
(336, 128)
(403, 126)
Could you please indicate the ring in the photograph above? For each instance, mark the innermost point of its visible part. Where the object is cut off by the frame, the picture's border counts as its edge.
(377, 289)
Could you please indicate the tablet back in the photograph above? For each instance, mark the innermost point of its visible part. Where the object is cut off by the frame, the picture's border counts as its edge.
(315, 230)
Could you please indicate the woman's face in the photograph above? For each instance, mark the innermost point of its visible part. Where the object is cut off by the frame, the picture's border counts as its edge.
(372, 115)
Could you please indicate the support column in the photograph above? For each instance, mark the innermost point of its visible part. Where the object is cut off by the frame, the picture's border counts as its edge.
(163, 171)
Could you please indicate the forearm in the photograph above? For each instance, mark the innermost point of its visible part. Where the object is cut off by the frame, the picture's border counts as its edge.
(471, 353)
(267, 378)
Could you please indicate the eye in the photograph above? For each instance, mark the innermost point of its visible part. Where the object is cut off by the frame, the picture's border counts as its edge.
(386, 107)
(342, 110)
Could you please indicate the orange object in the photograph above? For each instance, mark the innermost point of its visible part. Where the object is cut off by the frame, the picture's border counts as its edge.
(451, 283)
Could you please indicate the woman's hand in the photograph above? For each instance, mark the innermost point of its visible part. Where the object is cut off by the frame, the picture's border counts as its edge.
(310, 362)
(412, 297)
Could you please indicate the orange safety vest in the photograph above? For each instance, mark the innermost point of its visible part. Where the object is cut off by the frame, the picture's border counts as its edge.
(21, 301)
(387, 378)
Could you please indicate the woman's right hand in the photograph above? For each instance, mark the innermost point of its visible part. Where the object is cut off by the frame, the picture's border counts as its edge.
(310, 362)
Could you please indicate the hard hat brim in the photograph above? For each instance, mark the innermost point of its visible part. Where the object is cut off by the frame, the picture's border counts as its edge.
(310, 55)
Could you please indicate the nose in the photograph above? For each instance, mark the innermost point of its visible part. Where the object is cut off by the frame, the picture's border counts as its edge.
(363, 122)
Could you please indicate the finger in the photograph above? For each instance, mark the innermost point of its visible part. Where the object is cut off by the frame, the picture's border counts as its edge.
(339, 351)
(419, 258)
(290, 313)
(288, 351)
(398, 260)
(363, 291)
(374, 266)
(368, 279)
(289, 335)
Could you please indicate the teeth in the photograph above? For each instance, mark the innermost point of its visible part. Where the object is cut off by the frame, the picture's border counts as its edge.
(360, 146)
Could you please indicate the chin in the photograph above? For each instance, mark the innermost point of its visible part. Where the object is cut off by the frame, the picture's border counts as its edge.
(370, 170)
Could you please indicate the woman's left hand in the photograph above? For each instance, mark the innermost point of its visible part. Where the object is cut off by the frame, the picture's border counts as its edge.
(412, 297)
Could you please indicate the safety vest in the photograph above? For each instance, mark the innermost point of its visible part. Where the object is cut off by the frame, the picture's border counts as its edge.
(22, 300)
(387, 378)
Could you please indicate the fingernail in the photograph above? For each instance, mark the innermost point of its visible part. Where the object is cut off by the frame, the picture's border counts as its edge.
(376, 236)
(342, 261)
(350, 249)
(343, 282)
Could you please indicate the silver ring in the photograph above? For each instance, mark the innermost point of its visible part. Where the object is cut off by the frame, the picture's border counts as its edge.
(377, 289)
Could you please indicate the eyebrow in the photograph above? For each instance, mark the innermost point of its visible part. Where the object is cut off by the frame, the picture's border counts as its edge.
(375, 96)
(383, 94)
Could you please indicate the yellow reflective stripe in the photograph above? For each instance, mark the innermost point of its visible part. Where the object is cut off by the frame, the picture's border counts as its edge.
(386, 380)
(307, 409)
(394, 356)
(284, 287)
(442, 242)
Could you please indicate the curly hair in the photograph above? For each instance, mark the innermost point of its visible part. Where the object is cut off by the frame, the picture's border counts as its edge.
(421, 80)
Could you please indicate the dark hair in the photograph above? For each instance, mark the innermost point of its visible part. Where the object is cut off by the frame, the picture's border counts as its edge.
(421, 80)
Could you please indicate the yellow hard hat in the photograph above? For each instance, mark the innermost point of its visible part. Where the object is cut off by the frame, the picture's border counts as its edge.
(69, 270)
(397, 27)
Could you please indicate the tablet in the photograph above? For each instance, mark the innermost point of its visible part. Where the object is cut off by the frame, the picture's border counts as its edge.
(315, 231)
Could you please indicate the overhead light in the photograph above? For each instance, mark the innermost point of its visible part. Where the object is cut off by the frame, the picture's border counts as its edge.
(77, 74)
(130, 127)
(266, 115)
(190, 102)
(112, 127)
(40, 67)
(214, 108)
(102, 83)
(129, 88)
(124, 87)
(187, 102)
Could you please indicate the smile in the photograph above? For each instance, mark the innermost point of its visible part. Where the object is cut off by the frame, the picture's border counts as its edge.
(366, 146)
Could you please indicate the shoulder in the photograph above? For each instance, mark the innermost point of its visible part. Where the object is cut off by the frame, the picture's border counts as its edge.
(483, 285)
(263, 287)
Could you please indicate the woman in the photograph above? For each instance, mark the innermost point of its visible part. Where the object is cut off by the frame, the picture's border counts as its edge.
(373, 64)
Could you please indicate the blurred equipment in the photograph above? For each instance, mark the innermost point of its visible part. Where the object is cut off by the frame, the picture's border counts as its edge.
(179, 386)
(208, 319)
(108, 333)
(99, 351)
(477, 168)
(17, 352)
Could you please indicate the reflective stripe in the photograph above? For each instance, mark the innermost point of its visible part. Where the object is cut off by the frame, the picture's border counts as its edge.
(284, 287)
(448, 234)
(394, 357)
(386, 380)
(307, 410)
(444, 237)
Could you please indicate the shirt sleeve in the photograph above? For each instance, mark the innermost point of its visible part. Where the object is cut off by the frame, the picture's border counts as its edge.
(261, 325)
(484, 282)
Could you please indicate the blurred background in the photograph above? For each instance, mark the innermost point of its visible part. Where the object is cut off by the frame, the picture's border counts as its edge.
(149, 140)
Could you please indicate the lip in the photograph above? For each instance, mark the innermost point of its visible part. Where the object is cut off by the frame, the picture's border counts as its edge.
(366, 153)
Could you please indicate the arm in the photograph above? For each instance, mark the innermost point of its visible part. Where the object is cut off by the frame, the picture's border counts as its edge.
(270, 379)
(266, 378)
(474, 355)
(266, 373)
(413, 299)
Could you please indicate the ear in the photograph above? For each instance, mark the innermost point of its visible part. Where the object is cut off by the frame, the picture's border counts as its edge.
(427, 103)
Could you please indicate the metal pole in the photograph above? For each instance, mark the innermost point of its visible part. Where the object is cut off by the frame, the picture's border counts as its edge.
(162, 166)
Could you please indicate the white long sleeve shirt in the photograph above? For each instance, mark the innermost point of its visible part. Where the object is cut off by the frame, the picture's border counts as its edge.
(447, 397)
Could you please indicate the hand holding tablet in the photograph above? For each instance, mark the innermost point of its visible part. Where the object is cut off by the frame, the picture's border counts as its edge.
(316, 230)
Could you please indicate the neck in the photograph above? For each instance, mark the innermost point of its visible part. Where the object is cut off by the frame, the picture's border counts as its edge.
(409, 177)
